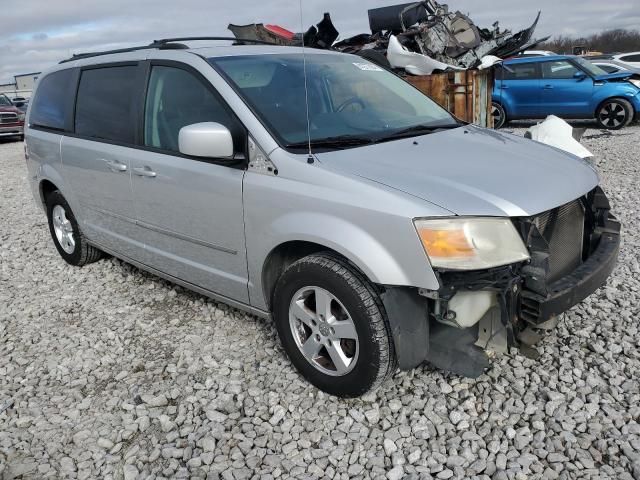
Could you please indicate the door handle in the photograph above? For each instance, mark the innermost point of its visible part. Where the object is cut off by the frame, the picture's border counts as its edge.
(503, 87)
(144, 172)
(548, 87)
(115, 166)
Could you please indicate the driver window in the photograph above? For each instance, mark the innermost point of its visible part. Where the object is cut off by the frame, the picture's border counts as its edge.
(558, 70)
(177, 98)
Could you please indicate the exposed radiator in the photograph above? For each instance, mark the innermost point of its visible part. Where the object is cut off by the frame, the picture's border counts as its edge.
(566, 238)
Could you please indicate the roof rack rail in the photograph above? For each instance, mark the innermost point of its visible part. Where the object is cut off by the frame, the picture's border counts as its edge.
(215, 39)
(164, 44)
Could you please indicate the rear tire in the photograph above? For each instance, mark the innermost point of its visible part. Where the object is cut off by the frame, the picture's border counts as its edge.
(614, 114)
(321, 303)
(499, 115)
(67, 237)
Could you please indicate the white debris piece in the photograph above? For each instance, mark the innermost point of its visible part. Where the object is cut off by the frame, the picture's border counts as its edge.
(489, 61)
(413, 63)
(556, 132)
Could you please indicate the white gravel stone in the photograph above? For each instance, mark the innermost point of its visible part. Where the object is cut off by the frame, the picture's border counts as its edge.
(109, 372)
(389, 447)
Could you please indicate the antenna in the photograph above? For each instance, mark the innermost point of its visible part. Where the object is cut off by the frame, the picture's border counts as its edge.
(306, 87)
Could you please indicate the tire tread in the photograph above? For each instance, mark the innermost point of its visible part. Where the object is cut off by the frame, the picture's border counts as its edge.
(370, 299)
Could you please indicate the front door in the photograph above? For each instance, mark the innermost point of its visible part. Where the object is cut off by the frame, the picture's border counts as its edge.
(189, 210)
(563, 93)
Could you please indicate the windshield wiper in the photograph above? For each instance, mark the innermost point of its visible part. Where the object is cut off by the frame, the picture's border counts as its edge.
(334, 142)
(416, 130)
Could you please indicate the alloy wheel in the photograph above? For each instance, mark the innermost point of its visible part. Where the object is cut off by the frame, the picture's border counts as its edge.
(498, 116)
(612, 115)
(324, 331)
(63, 229)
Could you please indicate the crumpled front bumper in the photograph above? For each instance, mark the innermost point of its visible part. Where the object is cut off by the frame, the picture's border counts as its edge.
(578, 285)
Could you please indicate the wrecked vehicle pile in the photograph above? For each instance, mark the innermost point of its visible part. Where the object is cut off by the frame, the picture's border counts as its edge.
(417, 38)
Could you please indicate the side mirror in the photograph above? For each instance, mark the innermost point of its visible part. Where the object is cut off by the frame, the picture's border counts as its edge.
(207, 139)
(579, 75)
(19, 104)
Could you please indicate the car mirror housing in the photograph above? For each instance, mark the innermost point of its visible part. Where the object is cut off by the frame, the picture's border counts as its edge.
(207, 140)
(579, 75)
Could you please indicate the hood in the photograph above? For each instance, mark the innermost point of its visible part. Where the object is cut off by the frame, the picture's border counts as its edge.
(9, 108)
(472, 171)
(614, 76)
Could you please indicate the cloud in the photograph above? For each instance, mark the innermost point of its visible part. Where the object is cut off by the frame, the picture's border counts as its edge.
(40, 33)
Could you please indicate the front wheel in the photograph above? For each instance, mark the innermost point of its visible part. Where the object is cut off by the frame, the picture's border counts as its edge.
(332, 325)
(614, 114)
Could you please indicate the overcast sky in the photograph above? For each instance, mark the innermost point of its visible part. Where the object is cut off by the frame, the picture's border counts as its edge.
(35, 34)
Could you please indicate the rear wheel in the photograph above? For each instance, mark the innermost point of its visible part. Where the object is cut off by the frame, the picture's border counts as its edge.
(614, 114)
(499, 115)
(67, 237)
(333, 326)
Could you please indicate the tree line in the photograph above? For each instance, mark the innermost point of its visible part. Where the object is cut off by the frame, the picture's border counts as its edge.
(609, 41)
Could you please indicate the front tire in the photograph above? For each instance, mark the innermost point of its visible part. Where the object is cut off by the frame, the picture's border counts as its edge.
(333, 326)
(614, 114)
(67, 237)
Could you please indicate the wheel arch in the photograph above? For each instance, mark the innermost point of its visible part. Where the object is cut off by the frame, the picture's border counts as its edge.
(613, 97)
(287, 253)
(45, 187)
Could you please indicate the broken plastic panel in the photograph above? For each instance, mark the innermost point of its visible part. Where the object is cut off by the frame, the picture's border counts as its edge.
(413, 63)
(556, 132)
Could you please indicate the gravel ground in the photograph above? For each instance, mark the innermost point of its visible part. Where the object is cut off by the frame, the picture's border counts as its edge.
(109, 372)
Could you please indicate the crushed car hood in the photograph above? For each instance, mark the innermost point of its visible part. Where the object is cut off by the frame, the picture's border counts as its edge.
(472, 171)
(614, 76)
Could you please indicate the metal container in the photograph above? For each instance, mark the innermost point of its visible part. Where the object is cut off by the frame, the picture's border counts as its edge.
(466, 94)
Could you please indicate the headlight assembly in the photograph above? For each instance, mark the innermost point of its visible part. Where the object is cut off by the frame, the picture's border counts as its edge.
(471, 243)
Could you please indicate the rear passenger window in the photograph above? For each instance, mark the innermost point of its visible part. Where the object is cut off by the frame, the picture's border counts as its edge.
(523, 71)
(558, 70)
(51, 104)
(630, 58)
(105, 105)
(177, 98)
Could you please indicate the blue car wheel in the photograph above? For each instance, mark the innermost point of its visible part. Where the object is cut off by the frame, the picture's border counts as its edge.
(499, 115)
(614, 114)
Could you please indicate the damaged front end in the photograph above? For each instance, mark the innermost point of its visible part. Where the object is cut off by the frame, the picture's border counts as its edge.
(475, 314)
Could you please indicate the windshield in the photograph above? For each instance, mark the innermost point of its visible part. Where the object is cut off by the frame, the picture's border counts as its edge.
(590, 67)
(348, 97)
(4, 100)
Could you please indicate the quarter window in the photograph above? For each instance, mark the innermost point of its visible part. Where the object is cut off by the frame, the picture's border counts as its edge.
(177, 98)
(558, 70)
(106, 104)
(51, 104)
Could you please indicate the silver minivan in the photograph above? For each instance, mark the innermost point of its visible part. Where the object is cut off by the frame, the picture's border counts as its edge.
(325, 192)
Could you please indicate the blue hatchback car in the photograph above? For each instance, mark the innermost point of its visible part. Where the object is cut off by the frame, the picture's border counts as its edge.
(566, 86)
